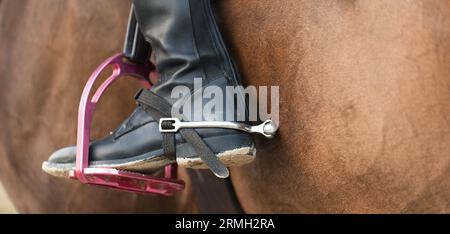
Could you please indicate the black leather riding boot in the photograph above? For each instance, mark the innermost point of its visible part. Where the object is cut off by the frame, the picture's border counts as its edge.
(187, 44)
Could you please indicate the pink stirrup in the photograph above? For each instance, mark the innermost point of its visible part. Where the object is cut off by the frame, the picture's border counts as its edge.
(110, 177)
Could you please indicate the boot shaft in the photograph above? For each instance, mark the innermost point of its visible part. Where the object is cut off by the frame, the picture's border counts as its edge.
(182, 36)
(187, 44)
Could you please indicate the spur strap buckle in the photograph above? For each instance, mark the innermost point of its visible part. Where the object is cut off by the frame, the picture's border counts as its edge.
(267, 128)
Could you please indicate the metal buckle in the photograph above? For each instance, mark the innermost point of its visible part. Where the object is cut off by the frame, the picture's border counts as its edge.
(110, 177)
(267, 128)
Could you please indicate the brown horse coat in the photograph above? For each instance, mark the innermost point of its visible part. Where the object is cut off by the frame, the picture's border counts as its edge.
(364, 88)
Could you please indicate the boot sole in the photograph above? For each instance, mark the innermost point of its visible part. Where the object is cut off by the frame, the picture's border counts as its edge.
(235, 157)
(238, 150)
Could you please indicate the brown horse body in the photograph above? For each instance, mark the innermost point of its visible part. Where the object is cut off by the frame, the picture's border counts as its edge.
(364, 103)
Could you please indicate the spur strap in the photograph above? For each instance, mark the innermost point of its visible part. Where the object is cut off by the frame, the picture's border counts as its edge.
(159, 108)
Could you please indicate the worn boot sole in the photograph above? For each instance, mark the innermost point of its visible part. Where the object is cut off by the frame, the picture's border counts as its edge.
(238, 151)
(236, 157)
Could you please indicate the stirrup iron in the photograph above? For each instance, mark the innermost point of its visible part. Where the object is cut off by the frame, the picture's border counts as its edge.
(110, 177)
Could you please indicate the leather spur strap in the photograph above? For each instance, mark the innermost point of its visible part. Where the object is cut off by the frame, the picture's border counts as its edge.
(159, 108)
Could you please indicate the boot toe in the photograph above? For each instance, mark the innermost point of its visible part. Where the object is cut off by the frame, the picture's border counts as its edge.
(61, 162)
(64, 155)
